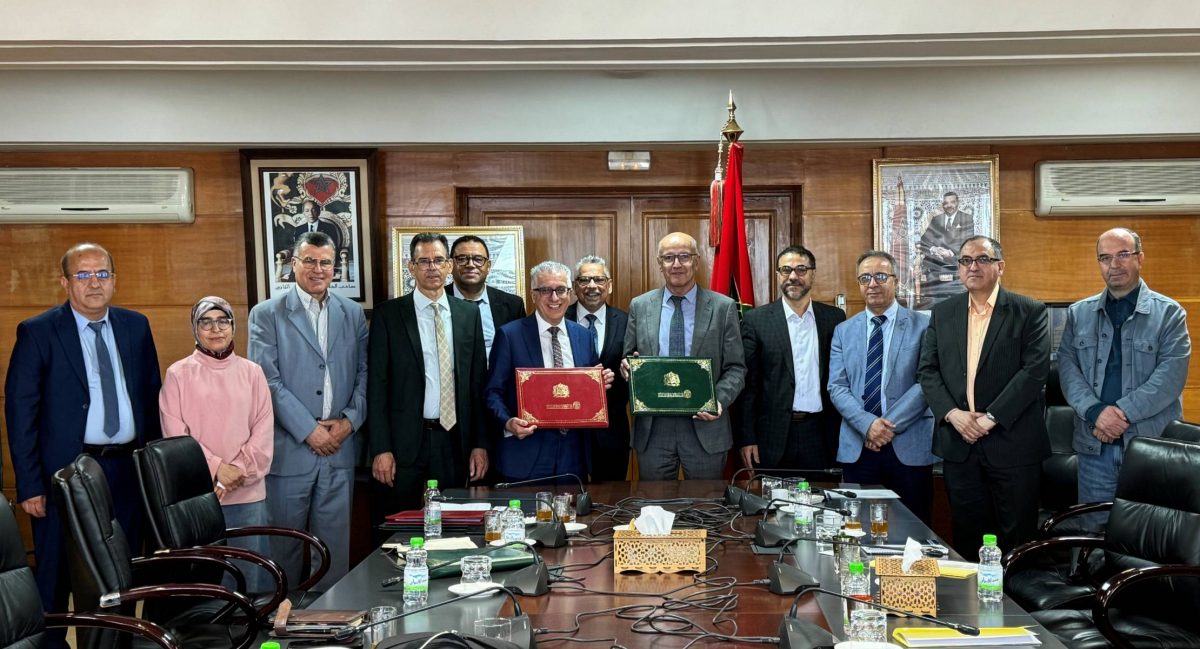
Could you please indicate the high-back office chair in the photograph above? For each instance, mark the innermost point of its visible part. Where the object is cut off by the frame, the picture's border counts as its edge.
(1150, 556)
(1182, 430)
(24, 622)
(102, 570)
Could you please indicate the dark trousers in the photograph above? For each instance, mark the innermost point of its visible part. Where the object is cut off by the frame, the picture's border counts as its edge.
(987, 499)
(439, 458)
(805, 447)
(914, 484)
(555, 454)
(610, 456)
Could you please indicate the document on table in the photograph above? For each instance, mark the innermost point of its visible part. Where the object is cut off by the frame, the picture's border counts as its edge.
(466, 507)
(930, 637)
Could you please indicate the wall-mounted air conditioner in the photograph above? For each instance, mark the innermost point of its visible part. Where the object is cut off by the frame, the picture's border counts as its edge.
(1098, 187)
(96, 195)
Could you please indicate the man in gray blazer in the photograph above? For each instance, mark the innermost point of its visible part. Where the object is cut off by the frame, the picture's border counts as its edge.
(887, 428)
(312, 346)
(683, 319)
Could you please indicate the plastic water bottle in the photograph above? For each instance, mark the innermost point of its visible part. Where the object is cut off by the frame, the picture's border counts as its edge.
(416, 574)
(856, 586)
(433, 511)
(990, 579)
(803, 514)
(514, 523)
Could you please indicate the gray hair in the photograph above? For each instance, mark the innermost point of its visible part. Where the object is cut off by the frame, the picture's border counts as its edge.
(592, 259)
(314, 239)
(1137, 239)
(547, 267)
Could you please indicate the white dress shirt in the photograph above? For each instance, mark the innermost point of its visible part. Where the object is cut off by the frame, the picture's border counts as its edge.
(485, 315)
(802, 330)
(581, 317)
(432, 408)
(564, 342)
(320, 324)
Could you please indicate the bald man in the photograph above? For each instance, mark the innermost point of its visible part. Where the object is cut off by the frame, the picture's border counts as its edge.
(682, 319)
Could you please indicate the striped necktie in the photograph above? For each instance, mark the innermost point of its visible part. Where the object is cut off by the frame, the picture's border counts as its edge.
(448, 416)
(675, 337)
(872, 394)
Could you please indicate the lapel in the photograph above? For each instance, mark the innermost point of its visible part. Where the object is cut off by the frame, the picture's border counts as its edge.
(899, 333)
(124, 347)
(610, 332)
(704, 313)
(68, 336)
(581, 344)
(957, 325)
(654, 318)
(459, 318)
(780, 327)
(999, 315)
(299, 319)
(337, 321)
(533, 346)
(408, 321)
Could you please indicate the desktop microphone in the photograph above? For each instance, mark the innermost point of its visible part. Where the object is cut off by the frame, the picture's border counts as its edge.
(769, 535)
(734, 495)
(550, 535)
(964, 629)
(583, 501)
(531, 580)
(522, 629)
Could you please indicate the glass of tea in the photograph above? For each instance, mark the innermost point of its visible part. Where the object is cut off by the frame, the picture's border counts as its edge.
(853, 521)
(545, 506)
(879, 522)
(493, 526)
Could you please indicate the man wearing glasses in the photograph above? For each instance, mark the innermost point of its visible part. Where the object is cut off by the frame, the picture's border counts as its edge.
(83, 378)
(471, 267)
(983, 366)
(787, 419)
(887, 429)
(545, 339)
(312, 346)
(424, 385)
(1123, 390)
(606, 325)
(682, 319)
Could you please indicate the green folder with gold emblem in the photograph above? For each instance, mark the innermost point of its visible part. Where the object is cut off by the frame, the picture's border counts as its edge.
(671, 385)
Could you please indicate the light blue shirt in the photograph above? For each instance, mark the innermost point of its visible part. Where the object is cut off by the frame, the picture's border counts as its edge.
(432, 408)
(485, 314)
(94, 431)
(889, 326)
(689, 320)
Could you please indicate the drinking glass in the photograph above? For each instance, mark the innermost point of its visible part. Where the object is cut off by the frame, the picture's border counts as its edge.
(545, 505)
(867, 625)
(373, 635)
(879, 522)
(494, 627)
(853, 522)
(563, 508)
(476, 569)
(828, 525)
(493, 526)
(769, 485)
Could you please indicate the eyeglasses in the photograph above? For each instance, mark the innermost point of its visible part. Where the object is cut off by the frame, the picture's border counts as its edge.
(436, 262)
(467, 260)
(557, 291)
(784, 271)
(584, 281)
(84, 276)
(682, 257)
(310, 263)
(208, 324)
(1122, 256)
(880, 278)
(982, 260)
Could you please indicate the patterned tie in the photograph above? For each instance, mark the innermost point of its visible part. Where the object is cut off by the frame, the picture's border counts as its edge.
(108, 382)
(591, 318)
(555, 348)
(675, 340)
(445, 372)
(871, 396)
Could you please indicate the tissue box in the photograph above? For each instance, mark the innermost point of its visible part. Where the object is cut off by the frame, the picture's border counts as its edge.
(682, 550)
(914, 591)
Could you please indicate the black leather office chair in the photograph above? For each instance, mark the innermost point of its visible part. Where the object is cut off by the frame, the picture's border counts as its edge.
(21, 606)
(1060, 471)
(103, 571)
(1182, 430)
(1149, 556)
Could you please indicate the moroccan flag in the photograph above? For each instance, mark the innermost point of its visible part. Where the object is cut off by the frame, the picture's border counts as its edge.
(731, 266)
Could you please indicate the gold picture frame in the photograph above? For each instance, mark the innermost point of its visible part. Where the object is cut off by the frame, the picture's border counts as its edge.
(506, 248)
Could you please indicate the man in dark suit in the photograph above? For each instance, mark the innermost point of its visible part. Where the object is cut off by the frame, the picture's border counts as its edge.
(472, 263)
(983, 366)
(313, 223)
(523, 450)
(938, 246)
(83, 378)
(682, 319)
(426, 372)
(787, 420)
(606, 324)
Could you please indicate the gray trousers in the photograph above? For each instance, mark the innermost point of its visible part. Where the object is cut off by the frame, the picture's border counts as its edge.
(320, 503)
(673, 443)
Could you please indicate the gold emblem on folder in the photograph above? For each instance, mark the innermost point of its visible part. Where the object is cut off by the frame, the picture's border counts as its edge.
(671, 380)
(561, 391)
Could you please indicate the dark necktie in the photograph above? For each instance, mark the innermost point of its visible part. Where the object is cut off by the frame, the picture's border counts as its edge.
(675, 340)
(108, 382)
(871, 396)
(591, 318)
(555, 348)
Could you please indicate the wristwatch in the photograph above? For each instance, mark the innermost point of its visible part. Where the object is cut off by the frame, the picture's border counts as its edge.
(991, 417)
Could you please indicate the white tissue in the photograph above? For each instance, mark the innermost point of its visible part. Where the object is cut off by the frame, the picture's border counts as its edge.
(654, 521)
(912, 552)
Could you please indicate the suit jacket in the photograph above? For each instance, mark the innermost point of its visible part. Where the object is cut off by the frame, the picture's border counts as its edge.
(937, 235)
(396, 379)
(283, 342)
(506, 307)
(1009, 380)
(611, 348)
(906, 406)
(517, 345)
(716, 334)
(46, 394)
(765, 409)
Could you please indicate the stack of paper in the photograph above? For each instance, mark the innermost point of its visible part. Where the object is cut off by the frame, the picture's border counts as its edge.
(937, 637)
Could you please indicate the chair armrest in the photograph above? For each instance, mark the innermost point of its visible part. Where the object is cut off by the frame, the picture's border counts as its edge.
(1071, 512)
(1109, 590)
(190, 555)
(131, 625)
(1024, 551)
(210, 591)
(300, 535)
(249, 556)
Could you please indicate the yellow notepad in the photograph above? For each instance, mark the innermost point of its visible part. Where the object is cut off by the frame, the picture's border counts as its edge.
(934, 637)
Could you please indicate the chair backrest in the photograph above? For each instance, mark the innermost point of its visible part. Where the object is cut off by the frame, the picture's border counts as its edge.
(177, 492)
(20, 604)
(1054, 393)
(1060, 487)
(1182, 430)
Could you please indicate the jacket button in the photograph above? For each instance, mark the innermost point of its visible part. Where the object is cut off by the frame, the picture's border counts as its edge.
(318, 393)
(321, 366)
(85, 406)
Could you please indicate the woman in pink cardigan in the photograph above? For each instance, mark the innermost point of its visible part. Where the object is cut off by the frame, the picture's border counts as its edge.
(222, 400)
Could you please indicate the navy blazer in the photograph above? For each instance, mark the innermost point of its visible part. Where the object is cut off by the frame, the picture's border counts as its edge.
(46, 395)
(516, 345)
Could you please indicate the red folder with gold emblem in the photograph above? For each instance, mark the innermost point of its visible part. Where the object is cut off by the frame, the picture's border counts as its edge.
(562, 397)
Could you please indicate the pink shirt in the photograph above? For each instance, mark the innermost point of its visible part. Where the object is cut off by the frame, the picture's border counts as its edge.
(226, 405)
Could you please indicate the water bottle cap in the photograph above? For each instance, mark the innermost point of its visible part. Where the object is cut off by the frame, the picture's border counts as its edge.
(269, 644)
(803, 484)
(432, 484)
(856, 568)
(989, 539)
(416, 542)
(514, 503)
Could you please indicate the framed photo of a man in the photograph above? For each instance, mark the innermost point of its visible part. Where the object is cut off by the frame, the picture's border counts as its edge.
(288, 196)
(925, 208)
(505, 263)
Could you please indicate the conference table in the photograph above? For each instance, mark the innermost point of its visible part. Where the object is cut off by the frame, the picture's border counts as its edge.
(733, 591)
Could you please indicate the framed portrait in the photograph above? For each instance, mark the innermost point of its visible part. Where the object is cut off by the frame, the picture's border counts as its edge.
(506, 254)
(290, 193)
(925, 208)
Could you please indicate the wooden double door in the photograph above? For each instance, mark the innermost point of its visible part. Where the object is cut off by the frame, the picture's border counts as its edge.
(625, 226)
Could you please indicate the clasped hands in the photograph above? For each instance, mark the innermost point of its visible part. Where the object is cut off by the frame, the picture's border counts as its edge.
(1111, 424)
(328, 436)
(972, 426)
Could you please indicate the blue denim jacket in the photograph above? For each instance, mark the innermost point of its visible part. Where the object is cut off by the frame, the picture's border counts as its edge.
(1155, 346)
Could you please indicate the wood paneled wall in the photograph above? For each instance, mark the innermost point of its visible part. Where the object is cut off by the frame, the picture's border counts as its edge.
(164, 269)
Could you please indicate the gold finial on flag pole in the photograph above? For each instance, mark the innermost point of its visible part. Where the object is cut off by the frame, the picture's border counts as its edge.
(731, 131)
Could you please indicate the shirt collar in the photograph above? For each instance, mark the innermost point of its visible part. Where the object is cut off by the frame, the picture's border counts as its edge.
(890, 313)
(420, 301)
(482, 299)
(544, 326)
(991, 301)
(306, 300)
(1130, 297)
(795, 317)
(689, 297)
(582, 313)
(81, 322)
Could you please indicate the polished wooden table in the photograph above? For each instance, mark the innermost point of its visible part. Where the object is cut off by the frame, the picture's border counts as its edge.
(730, 599)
